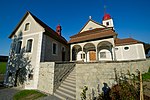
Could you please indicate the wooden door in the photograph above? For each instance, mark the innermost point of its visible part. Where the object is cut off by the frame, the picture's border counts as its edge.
(92, 55)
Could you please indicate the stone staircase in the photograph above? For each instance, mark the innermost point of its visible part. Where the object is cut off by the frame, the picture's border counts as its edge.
(67, 89)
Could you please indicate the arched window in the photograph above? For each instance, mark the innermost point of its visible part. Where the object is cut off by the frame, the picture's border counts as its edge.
(29, 45)
(27, 25)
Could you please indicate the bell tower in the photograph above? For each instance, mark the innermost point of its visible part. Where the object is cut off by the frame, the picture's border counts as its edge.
(58, 29)
(108, 21)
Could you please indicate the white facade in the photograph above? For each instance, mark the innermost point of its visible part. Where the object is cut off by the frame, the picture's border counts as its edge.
(84, 48)
(117, 53)
(104, 49)
(130, 52)
(108, 23)
(30, 28)
(35, 32)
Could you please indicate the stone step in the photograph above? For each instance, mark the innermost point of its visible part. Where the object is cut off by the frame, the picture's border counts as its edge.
(66, 91)
(64, 95)
(69, 83)
(72, 75)
(60, 96)
(66, 86)
(70, 78)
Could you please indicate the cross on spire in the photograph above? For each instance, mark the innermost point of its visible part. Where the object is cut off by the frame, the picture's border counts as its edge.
(105, 9)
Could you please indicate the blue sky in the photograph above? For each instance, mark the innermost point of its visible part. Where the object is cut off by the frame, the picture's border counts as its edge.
(131, 17)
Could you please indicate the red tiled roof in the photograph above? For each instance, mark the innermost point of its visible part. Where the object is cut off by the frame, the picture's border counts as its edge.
(50, 32)
(126, 41)
(92, 35)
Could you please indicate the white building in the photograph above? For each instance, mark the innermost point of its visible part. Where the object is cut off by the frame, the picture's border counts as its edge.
(99, 42)
(34, 42)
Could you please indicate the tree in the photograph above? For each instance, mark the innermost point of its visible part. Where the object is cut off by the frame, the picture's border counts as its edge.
(19, 65)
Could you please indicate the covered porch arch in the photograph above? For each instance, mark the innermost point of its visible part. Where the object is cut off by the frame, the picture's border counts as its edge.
(90, 52)
(105, 51)
(76, 49)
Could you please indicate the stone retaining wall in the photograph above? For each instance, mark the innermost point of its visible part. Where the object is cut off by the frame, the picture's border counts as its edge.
(92, 74)
(46, 77)
(52, 74)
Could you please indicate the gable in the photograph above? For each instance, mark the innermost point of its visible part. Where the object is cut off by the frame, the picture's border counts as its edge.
(90, 25)
(34, 27)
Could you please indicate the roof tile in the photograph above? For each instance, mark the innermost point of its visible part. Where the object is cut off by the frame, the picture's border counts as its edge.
(91, 35)
(126, 41)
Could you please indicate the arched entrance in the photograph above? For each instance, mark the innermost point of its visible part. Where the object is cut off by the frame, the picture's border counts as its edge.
(105, 51)
(90, 52)
(75, 52)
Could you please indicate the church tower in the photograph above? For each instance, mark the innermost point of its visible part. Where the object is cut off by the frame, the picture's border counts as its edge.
(58, 29)
(108, 21)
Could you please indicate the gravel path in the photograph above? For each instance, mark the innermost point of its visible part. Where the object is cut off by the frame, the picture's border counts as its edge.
(7, 93)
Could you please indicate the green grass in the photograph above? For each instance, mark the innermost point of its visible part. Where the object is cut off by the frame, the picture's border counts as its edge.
(28, 95)
(146, 76)
(3, 67)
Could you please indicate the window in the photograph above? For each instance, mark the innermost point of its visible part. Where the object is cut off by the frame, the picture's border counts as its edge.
(29, 45)
(102, 54)
(54, 48)
(126, 48)
(30, 76)
(27, 26)
(83, 56)
(63, 49)
(90, 28)
(18, 49)
(107, 23)
(116, 49)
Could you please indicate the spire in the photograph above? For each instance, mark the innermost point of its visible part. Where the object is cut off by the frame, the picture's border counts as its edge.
(106, 15)
(104, 9)
(107, 20)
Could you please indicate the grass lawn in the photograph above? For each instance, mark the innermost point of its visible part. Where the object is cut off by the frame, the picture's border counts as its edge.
(3, 67)
(28, 95)
(146, 76)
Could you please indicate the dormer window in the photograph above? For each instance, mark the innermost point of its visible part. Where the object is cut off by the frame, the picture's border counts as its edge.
(27, 25)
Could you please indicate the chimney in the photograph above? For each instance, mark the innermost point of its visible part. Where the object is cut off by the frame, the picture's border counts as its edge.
(58, 29)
